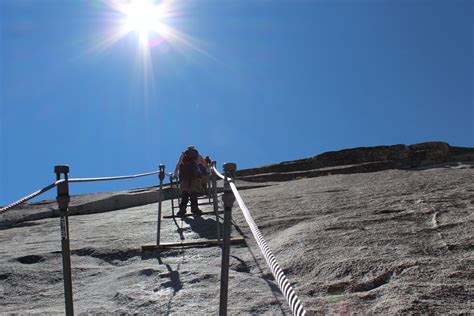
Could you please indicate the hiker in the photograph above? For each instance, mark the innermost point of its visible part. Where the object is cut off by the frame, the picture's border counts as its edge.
(190, 176)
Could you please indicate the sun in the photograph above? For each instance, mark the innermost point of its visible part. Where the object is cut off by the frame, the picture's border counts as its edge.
(146, 18)
(152, 21)
(155, 25)
(159, 28)
(143, 17)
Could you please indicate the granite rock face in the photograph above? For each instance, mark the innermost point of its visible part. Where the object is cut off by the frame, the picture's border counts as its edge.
(391, 242)
(362, 159)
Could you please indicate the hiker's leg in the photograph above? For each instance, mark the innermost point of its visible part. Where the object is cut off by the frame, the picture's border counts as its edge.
(184, 200)
(194, 199)
(204, 181)
(194, 202)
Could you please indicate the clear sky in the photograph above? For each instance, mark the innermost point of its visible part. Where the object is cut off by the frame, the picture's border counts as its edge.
(252, 82)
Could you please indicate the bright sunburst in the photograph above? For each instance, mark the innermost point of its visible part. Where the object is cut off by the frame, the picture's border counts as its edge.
(145, 18)
(149, 21)
(153, 23)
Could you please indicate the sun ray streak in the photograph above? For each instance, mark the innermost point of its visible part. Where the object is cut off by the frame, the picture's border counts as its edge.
(153, 24)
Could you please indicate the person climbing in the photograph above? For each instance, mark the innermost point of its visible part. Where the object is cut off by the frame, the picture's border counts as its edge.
(190, 176)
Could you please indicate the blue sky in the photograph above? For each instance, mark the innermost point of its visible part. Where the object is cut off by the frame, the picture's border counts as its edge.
(253, 82)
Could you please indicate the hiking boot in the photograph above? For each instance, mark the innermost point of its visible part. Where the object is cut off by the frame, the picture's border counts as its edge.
(196, 211)
(182, 212)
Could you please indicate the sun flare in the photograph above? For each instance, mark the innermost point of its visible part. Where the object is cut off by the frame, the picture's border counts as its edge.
(143, 17)
(154, 23)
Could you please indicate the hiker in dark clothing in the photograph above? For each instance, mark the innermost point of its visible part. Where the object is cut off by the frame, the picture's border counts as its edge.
(190, 180)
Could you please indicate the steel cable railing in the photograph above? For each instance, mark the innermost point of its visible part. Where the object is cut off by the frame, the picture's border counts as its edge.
(31, 196)
(285, 287)
(218, 173)
(77, 180)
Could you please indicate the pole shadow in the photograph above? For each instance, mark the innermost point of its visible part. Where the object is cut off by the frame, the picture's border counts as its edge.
(179, 228)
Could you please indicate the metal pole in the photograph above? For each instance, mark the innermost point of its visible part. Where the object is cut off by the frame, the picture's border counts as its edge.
(63, 204)
(209, 183)
(160, 197)
(215, 201)
(228, 199)
(209, 188)
(172, 194)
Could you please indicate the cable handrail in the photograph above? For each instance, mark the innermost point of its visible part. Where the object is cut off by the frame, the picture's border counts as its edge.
(283, 283)
(218, 173)
(31, 196)
(78, 180)
(171, 175)
(73, 180)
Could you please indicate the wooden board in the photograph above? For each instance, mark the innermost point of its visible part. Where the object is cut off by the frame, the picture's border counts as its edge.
(191, 214)
(188, 243)
(206, 203)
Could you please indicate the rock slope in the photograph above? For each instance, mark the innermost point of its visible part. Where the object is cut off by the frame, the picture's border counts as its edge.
(395, 241)
(359, 160)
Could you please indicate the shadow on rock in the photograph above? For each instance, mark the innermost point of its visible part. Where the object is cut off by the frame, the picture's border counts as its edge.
(112, 256)
(205, 228)
(174, 282)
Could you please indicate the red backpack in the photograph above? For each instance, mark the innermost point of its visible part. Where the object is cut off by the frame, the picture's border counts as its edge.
(188, 169)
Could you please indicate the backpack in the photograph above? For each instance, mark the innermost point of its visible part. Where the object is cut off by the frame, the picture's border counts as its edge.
(192, 153)
(202, 170)
(188, 169)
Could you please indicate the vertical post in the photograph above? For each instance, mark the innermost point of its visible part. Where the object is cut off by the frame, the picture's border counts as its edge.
(209, 188)
(214, 199)
(228, 199)
(209, 183)
(172, 194)
(160, 197)
(63, 204)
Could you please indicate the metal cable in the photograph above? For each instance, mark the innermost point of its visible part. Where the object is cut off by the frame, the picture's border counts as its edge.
(218, 173)
(49, 187)
(285, 287)
(31, 196)
(76, 180)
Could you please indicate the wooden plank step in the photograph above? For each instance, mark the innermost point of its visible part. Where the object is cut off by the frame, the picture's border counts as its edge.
(188, 243)
(177, 206)
(191, 214)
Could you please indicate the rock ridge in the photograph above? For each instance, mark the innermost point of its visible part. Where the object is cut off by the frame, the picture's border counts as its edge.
(359, 160)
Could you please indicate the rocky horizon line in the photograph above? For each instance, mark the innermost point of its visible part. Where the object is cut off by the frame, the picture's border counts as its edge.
(360, 160)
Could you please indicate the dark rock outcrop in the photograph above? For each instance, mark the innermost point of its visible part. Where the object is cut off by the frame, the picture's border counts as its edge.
(358, 160)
